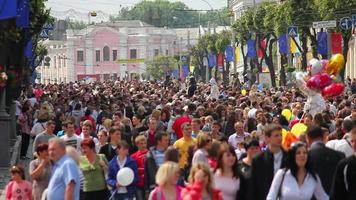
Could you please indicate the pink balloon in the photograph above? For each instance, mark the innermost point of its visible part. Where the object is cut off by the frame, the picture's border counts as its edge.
(319, 81)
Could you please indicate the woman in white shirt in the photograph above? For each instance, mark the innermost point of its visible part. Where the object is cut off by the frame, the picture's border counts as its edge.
(297, 181)
(203, 145)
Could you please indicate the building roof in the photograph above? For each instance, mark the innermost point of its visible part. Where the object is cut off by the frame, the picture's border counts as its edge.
(125, 23)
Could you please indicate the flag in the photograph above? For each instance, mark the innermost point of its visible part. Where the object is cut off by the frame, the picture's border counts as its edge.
(8, 9)
(322, 43)
(29, 49)
(293, 46)
(191, 68)
(23, 14)
(238, 54)
(211, 60)
(220, 60)
(262, 46)
(185, 71)
(283, 45)
(229, 54)
(175, 73)
(336, 43)
(251, 49)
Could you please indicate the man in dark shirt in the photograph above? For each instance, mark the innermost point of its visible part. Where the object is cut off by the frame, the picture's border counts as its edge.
(109, 149)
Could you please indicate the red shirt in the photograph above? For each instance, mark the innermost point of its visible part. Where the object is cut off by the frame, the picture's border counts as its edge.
(140, 156)
(177, 125)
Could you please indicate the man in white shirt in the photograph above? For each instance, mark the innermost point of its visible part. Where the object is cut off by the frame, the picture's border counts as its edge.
(69, 137)
(86, 130)
(343, 145)
(252, 112)
(239, 136)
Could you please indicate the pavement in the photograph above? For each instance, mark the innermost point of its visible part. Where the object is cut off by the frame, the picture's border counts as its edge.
(15, 160)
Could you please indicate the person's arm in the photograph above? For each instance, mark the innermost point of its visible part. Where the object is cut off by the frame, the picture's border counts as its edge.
(69, 191)
(319, 192)
(276, 184)
(35, 171)
(338, 189)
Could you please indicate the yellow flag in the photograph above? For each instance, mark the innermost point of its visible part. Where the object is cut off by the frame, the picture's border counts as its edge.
(191, 68)
(238, 54)
(293, 46)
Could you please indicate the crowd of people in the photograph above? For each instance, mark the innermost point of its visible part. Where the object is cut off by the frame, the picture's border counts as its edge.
(182, 141)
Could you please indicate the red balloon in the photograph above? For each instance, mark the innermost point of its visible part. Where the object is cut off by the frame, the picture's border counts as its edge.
(333, 90)
(319, 81)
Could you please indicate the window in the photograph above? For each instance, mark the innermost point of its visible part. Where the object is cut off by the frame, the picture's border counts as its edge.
(156, 52)
(80, 56)
(106, 77)
(97, 55)
(55, 62)
(114, 55)
(133, 53)
(106, 52)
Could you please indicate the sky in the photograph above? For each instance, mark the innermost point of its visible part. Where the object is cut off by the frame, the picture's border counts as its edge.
(113, 6)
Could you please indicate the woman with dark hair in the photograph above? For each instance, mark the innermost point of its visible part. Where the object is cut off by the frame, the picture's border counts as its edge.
(40, 171)
(228, 127)
(250, 125)
(24, 121)
(226, 175)
(297, 180)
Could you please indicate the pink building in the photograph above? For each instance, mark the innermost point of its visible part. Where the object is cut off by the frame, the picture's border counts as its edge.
(111, 50)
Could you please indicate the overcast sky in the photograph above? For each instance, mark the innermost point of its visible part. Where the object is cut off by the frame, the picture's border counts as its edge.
(112, 6)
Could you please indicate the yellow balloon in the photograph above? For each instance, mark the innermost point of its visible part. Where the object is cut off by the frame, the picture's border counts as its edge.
(287, 114)
(243, 92)
(336, 63)
(284, 135)
(298, 129)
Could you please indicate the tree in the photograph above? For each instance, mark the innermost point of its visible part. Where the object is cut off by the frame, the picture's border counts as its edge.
(224, 39)
(161, 66)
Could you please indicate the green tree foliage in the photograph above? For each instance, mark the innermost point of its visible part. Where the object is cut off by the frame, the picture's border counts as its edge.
(171, 14)
(161, 66)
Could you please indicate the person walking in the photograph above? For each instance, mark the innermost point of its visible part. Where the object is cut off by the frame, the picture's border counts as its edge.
(109, 149)
(25, 123)
(204, 141)
(18, 187)
(45, 136)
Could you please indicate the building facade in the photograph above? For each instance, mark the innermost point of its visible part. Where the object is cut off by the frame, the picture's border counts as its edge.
(108, 51)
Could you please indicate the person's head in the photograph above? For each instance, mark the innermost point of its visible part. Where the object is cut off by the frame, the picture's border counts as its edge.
(102, 136)
(56, 149)
(70, 128)
(239, 127)
(186, 129)
(162, 140)
(204, 141)
(86, 129)
(195, 124)
(17, 173)
(42, 150)
(353, 138)
(136, 119)
(252, 147)
(167, 174)
(273, 135)
(87, 146)
(117, 116)
(141, 142)
(107, 124)
(314, 133)
(201, 172)
(172, 154)
(347, 125)
(214, 150)
(216, 127)
(308, 119)
(122, 149)
(51, 125)
(73, 153)
(115, 135)
(227, 159)
(297, 158)
(152, 124)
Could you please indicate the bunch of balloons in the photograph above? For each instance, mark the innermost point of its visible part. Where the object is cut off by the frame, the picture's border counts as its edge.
(324, 76)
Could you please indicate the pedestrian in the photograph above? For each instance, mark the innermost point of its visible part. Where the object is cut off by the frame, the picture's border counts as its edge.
(297, 180)
(102, 137)
(45, 136)
(40, 171)
(166, 179)
(109, 149)
(18, 187)
(25, 123)
(62, 187)
(86, 134)
(204, 142)
(94, 167)
(69, 137)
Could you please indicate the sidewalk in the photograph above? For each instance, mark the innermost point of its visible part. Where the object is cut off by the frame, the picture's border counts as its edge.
(4, 172)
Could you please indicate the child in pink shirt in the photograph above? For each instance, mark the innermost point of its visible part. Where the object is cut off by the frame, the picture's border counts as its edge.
(18, 187)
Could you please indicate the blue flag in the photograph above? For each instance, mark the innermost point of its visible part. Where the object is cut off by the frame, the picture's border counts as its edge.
(29, 49)
(23, 14)
(33, 77)
(283, 45)
(322, 43)
(211, 60)
(8, 9)
(185, 70)
(229, 53)
(251, 49)
(175, 73)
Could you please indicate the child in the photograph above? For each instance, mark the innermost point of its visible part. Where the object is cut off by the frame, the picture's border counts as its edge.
(118, 162)
(18, 187)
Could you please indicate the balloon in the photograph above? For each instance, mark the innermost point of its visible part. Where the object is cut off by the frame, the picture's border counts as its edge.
(287, 114)
(333, 90)
(336, 63)
(125, 176)
(315, 66)
(324, 64)
(319, 81)
(298, 129)
(243, 92)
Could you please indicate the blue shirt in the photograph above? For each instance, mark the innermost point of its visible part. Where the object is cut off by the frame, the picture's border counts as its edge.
(64, 171)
